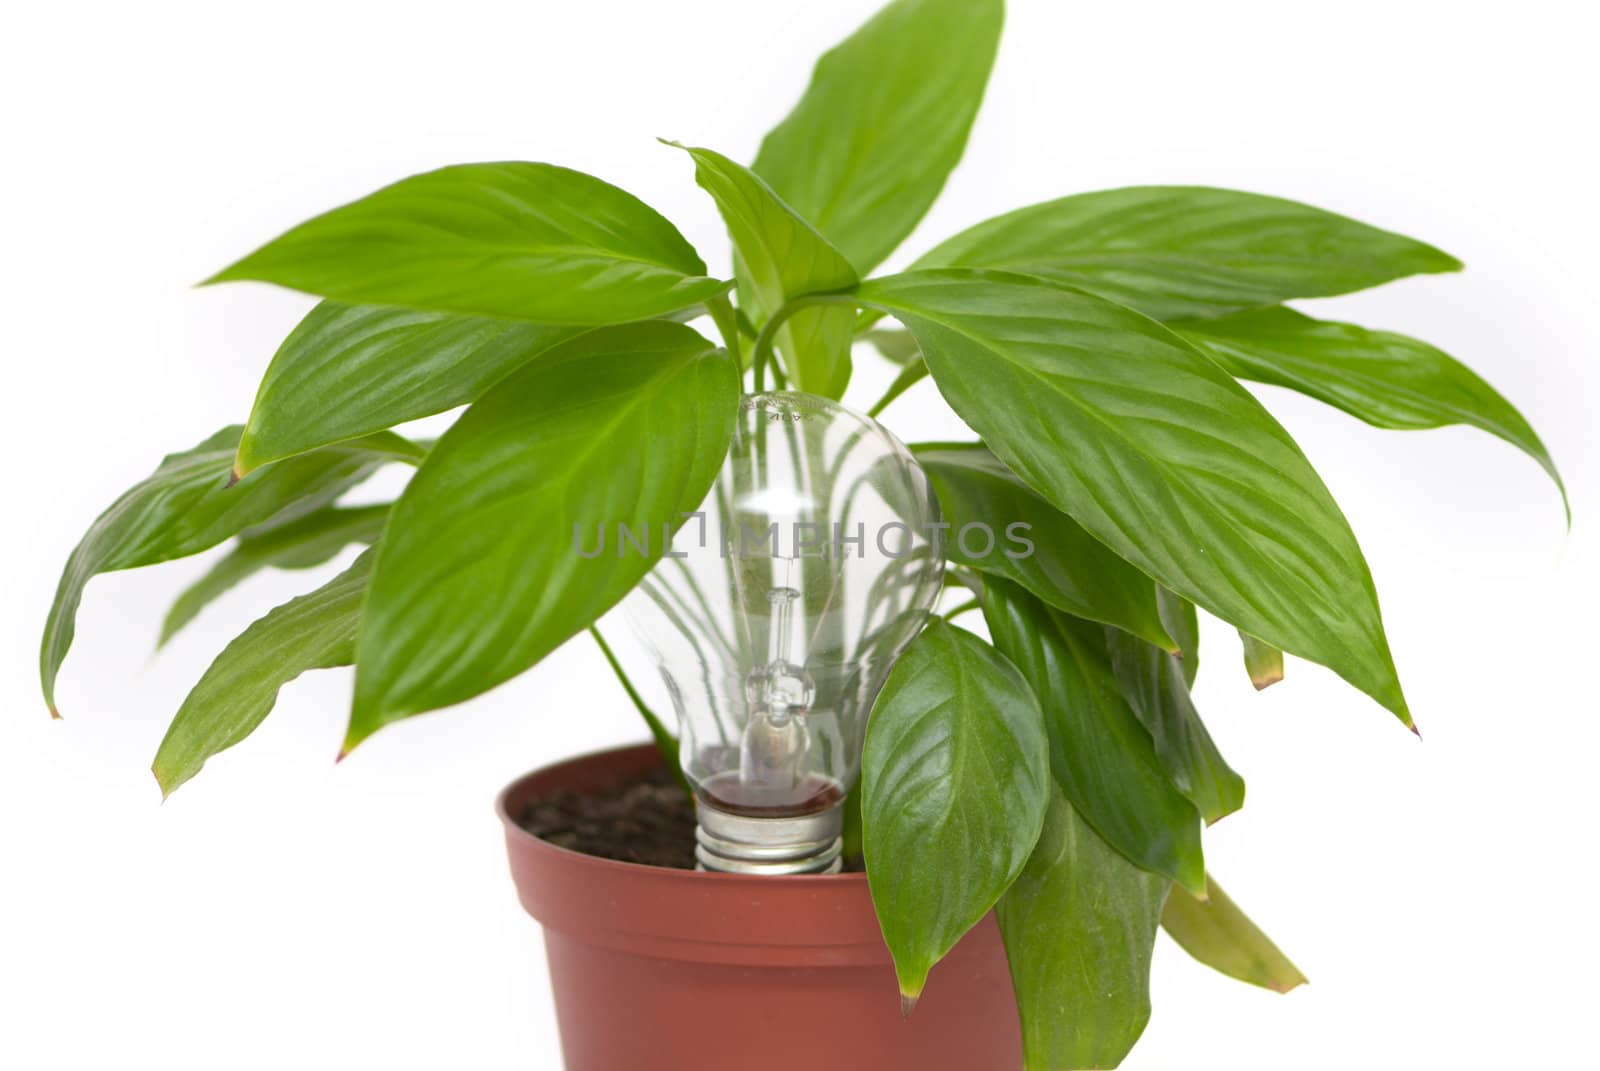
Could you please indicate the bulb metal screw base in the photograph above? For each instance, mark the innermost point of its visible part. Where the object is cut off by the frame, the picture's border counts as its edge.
(739, 844)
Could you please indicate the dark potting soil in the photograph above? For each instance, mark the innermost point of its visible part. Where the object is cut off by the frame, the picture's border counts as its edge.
(649, 821)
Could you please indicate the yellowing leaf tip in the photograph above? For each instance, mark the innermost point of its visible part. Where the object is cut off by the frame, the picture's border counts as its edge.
(1289, 985)
(1267, 679)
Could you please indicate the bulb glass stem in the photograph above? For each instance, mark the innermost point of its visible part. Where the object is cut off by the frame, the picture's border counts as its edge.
(775, 618)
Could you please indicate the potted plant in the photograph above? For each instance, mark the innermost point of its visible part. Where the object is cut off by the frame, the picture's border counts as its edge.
(1028, 808)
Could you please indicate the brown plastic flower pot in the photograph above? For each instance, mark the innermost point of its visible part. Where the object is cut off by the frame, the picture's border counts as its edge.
(657, 969)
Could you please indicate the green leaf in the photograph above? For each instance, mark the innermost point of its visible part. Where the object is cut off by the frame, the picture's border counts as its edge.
(480, 573)
(1154, 686)
(1100, 752)
(781, 256)
(954, 786)
(667, 745)
(238, 691)
(883, 122)
(895, 345)
(1183, 624)
(909, 377)
(300, 544)
(188, 505)
(1385, 379)
(349, 370)
(1158, 452)
(1262, 661)
(1061, 564)
(518, 240)
(1079, 926)
(850, 835)
(1175, 251)
(1215, 932)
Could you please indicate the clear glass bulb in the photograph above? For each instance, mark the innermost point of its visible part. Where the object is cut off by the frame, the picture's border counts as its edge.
(776, 616)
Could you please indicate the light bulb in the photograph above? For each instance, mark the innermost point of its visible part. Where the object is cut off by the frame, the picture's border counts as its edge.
(775, 617)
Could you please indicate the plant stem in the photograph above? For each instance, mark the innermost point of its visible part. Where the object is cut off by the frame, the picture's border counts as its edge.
(666, 743)
(909, 375)
(762, 351)
(746, 328)
(970, 604)
(958, 576)
(727, 322)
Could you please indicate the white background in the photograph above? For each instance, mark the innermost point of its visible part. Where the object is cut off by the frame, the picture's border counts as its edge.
(279, 911)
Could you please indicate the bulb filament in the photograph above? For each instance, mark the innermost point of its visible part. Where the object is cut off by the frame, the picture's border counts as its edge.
(773, 750)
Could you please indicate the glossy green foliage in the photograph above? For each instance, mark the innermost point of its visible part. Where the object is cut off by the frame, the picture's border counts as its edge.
(315, 631)
(515, 240)
(1385, 379)
(348, 370)
(1157, 452)
(883, 122)
(302, 543)
(1153, 684)
(1183, 623)
(955, 781)
(1101, 753)
(1094, 344)
(1215, 932)
(781, 256)
(1172, 251)
(1038, 546)
(190, 504)
(1079, 926)
(486, 565)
